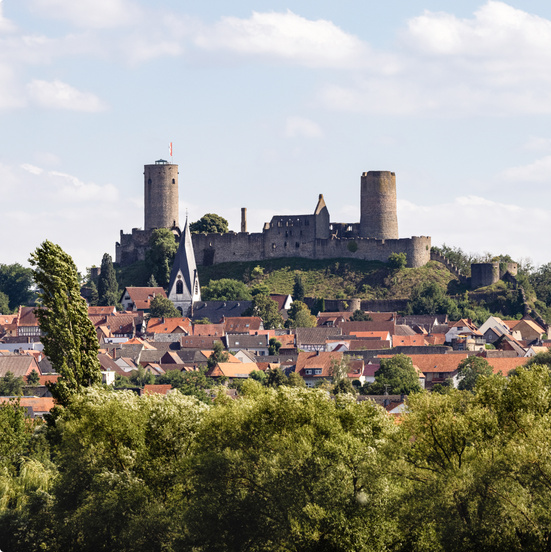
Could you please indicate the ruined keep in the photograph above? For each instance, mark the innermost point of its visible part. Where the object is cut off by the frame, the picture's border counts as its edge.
(311, 236)
(378, 217)
(487, 274)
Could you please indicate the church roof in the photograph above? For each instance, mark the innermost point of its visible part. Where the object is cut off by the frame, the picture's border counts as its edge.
(184, 261)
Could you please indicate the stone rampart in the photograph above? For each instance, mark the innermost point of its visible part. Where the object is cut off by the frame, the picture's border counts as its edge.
(231, 247)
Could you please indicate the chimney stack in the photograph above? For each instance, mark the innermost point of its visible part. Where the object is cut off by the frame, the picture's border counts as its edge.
(243, 219)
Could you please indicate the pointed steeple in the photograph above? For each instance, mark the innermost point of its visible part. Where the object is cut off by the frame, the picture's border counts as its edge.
(183, 288)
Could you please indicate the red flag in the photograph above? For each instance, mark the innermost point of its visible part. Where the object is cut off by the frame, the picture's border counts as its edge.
(170, 149)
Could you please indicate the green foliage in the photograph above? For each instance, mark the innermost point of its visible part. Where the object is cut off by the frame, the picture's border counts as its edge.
(258, 375)
(301, 472)
(209, 224)
(193, 383)
(257, 272)
(33, 378)
(141, 377)
(162, 306)
(396, 376)
(93, 298)
(160, 255)
(298, 288)
(299, 316)
(226, 289)
(430, 298)
(16, 282)
(273, 346)
(152, 282)
(470, 369)
(69, 337)
(108, 288)
(397, 261)
(125, 471)
(11, 385)
(4, 304)
(352, 246)
(267, 309)
(458, 257)
(360, 316)
(219, 354)
(275, 377)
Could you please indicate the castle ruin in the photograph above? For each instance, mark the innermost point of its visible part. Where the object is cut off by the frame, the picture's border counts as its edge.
(313, 236)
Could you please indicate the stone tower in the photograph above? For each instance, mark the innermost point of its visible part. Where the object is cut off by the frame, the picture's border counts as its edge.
(161, 195)
(378, 218)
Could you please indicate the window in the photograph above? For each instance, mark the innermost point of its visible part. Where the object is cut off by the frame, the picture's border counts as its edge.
(317, 371)
(179, 287)
(308, 372)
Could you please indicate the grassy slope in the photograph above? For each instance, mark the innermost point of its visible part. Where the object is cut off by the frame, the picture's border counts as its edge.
(336, 278)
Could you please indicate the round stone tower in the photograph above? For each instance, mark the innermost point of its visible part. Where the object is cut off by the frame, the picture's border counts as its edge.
(378, 218)
(161, 195)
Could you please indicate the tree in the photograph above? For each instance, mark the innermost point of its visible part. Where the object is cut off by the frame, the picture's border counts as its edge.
(430, 298)
(397, 261)
(33, 378)
(93, 298)
(11, 386)
(160, 307)
(226, 289)
(273, 346)
(4, 304)
(16, 282)
(300, 316)
(141, 377)
(360, 316)
(267, 309)
(160, 255)
(152, 282)
(218, 355)
(68, 336)
(108, 288)
(470, 369)
(311, 470)
(209, 224)
(275, 377)
(298, 288)
(397, 376)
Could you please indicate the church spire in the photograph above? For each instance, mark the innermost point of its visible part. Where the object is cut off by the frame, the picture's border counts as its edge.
(183, 288)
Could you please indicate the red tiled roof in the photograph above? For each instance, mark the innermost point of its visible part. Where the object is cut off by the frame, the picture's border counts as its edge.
(142, 296)
(161, 389)
(314, 360)
(435, 363)
(241, 324)
(214, 330)
(169, 325)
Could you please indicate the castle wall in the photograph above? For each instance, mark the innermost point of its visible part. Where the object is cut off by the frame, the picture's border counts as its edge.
(221, 248)
(132, 247)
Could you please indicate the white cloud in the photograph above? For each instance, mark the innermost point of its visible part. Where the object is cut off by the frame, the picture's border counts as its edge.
(6, 26)
(286, 36)
(539, 171)
(71, 189)
(90, 13)
(32, 169)
(496, 63)
(302, 127)
(59, 95)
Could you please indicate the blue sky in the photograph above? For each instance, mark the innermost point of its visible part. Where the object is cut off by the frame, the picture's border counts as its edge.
(267, 105)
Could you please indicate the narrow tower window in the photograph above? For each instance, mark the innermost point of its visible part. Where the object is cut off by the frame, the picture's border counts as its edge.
(179, 287)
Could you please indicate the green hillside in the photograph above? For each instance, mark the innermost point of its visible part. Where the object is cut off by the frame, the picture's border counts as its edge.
(333, 279)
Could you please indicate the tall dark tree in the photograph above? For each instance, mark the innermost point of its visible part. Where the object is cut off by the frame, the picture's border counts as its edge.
(298, 288)
(396, 375)
(161, 306)
(469, 371)
(108, 288)
(160, 255)
(69, 337)
(208, 224)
